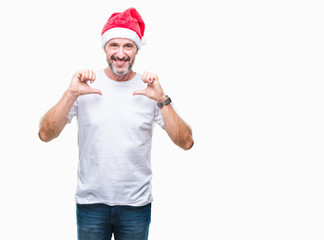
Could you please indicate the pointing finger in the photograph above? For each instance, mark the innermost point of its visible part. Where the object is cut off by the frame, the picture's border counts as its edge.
(84, 76)
(92, 77)
(148, 77)
(95, 91)
(139, 92)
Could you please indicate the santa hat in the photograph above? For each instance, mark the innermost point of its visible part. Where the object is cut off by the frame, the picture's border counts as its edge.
(128, 24)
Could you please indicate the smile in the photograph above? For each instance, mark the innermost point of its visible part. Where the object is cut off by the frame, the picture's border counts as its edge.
(120, 62)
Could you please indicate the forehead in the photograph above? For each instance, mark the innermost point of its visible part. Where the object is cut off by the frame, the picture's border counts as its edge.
(121, 41)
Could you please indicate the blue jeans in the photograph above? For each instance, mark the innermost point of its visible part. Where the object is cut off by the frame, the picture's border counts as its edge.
(100, 221)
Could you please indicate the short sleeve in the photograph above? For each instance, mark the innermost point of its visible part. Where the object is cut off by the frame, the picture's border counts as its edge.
(158, 116)
(73, 112)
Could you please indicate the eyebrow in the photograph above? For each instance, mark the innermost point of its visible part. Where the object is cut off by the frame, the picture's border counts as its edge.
(125, 44)
(112, 42)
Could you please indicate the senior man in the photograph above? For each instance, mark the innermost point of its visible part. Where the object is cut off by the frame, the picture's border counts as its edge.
(116, 110)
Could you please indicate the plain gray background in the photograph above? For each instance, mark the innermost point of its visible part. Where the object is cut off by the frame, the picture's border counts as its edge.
(246, 75)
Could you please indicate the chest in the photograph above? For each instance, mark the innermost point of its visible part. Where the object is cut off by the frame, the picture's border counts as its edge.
(122, 110)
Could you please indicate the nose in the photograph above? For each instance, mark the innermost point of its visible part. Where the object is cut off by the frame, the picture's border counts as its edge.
(120, 52)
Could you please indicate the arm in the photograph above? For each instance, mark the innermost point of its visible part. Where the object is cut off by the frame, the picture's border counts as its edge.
(53, 122)
(177, 129)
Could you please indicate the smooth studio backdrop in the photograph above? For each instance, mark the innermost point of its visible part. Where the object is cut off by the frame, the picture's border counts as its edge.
(246, 75)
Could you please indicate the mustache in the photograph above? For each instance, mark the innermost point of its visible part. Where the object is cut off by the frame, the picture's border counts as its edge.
(120, 59)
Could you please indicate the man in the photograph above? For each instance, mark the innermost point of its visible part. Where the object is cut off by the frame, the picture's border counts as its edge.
(115, 121)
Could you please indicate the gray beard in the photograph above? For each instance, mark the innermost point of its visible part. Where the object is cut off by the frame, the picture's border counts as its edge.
(120, 73)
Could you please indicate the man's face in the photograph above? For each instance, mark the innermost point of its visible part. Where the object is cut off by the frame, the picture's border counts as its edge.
(120, 55)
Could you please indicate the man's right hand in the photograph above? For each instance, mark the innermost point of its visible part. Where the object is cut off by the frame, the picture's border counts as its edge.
(79, 83)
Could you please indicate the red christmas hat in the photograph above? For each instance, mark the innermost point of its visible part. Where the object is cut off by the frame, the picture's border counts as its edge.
(128, 24)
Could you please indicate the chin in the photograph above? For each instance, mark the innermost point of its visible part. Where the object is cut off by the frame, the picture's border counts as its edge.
(120, 73)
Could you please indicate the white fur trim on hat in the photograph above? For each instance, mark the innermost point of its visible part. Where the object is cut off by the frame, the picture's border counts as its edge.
(121, 33)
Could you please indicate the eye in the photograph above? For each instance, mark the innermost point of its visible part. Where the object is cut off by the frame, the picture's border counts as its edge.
(129, 46)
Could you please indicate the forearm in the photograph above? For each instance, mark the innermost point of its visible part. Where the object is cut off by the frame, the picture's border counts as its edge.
(55, 119)
(178, 130)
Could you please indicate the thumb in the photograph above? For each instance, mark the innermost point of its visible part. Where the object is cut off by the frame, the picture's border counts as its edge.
(140, 92)
(94, 91)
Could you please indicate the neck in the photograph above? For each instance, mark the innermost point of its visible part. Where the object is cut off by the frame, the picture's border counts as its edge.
(128, 76)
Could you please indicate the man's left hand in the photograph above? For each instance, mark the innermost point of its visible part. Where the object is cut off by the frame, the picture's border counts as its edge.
(153, 90)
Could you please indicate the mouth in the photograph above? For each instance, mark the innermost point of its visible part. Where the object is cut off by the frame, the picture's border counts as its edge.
(120, 62)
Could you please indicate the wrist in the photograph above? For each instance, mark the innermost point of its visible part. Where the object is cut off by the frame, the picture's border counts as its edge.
(161, 98)
(70, 93)
(165, 102)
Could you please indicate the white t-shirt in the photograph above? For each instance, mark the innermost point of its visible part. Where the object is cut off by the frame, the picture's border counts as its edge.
(115, 136)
